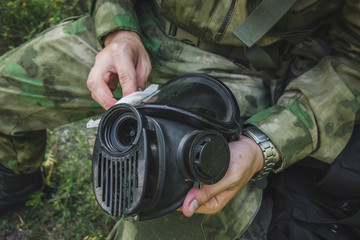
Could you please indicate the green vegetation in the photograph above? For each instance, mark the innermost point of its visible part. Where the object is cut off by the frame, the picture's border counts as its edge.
(21, 20)
(71, 212)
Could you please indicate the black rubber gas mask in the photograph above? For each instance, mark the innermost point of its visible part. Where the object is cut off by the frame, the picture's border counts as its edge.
(148, 156)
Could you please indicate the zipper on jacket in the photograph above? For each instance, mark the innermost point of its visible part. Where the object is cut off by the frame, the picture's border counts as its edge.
(225, 21)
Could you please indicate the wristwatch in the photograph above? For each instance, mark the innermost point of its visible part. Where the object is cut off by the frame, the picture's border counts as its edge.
(268, 151)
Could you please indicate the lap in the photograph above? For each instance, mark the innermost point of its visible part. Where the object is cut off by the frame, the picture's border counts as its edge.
(43, 82)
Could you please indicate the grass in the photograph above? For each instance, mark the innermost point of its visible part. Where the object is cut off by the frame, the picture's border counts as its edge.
(72, 211)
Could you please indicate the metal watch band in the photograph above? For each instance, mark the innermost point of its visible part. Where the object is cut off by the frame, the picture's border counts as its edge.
(267, 148)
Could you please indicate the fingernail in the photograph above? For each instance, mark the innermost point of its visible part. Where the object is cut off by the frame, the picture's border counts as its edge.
(194, 205)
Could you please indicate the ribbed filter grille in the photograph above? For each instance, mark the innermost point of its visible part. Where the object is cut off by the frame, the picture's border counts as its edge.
(118, 180)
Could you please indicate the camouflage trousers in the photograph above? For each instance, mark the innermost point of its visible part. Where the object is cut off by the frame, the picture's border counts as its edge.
(43, 85)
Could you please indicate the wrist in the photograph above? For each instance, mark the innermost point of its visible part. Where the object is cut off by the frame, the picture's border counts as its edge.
(257, 155)
(269, 155)
(121, 34)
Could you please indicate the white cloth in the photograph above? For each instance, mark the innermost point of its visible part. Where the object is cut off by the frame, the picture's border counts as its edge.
(132, 99)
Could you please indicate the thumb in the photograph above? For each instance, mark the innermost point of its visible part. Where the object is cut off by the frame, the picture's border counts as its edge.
(209, 199)
(191, 204)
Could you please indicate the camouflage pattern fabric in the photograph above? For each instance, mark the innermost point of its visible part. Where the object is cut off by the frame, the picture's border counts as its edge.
(215, 21)
(109, 15)
(309, 129)
(43, 85)
(315, 116)
(227, 224)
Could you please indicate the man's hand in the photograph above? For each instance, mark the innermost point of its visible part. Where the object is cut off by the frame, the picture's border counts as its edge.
(124, 59)
(245, 160)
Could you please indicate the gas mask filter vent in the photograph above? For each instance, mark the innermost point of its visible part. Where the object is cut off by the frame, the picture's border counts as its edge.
(118, 180)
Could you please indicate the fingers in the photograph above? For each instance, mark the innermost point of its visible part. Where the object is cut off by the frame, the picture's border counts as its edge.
(123, 61)
(143, 70)
(212, 198)
(97, 81)
(191, 204)
(133, 68)
(207, 200)
(131, 61)
(245, 159)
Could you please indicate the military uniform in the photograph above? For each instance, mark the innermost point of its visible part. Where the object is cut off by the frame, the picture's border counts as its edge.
(43, 85)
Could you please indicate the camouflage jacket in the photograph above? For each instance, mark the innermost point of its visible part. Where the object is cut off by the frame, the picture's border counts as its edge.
(315, 115)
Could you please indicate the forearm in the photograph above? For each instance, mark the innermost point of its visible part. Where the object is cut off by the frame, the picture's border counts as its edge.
(316, 114)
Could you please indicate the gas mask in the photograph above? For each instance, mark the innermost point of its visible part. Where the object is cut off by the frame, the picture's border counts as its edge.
(148, 156)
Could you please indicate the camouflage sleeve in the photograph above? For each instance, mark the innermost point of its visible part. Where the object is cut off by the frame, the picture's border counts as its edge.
(112, 15)
(316, 114)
